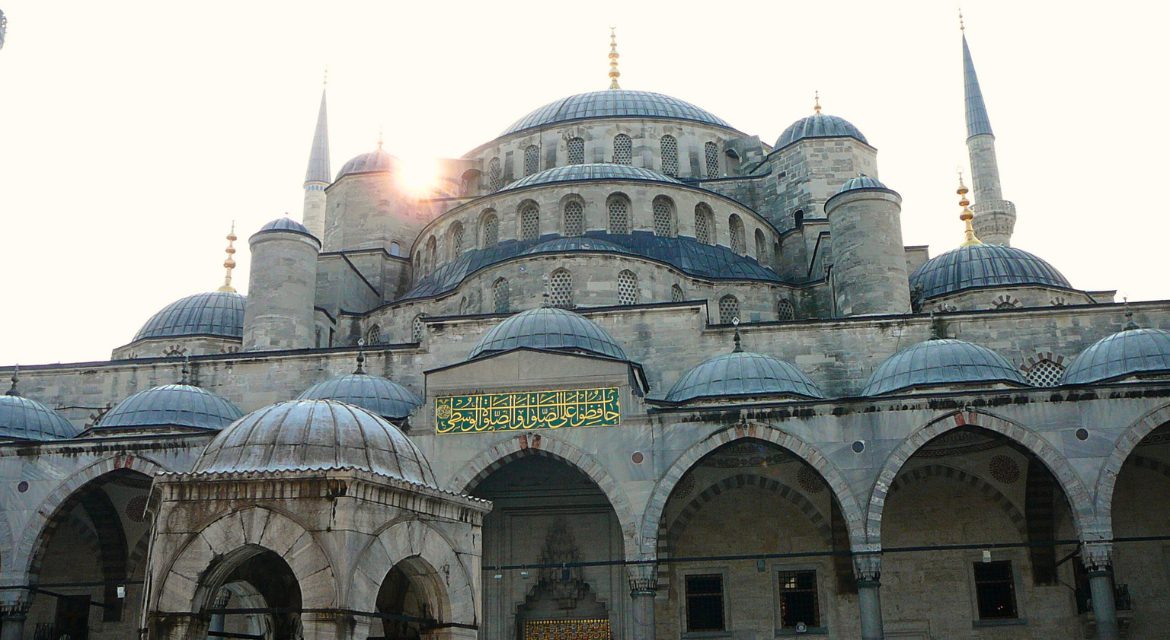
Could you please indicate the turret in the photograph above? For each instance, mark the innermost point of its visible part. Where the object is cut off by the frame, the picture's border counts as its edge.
(995, 218)
(317, 176)
(869, 262)
(282, 284)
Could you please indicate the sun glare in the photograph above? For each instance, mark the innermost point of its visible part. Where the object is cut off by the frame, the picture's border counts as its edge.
(419, 176)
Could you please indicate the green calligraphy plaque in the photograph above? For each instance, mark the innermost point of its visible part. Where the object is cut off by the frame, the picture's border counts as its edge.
(527, 410)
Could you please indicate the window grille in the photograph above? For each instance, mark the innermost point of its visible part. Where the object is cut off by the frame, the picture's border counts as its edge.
(529, 222)
(798, 599)
(491, 230)
(576, 151)
(623, 149)
(574, 219)
(416, 330)
(995, 590)
(711, 150)
(705, 603)
(735, 228)
(374, 335)
(495, 174)
(619, 215)
(669, 148)
(761, 247)
(456, 240)
(1045, 373)
(627, 284)
(501, 295)
(560, 289)
(676, 294)
(703, 218)
(663, 218)
(728, 309)
(531, 160)
(785, 310)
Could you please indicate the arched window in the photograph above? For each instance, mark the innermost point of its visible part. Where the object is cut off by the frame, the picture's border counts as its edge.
(676, 294)
(664, 218)
(456, 240)
(560, 289)
(417, 328)
(574, 222)
(619, 214)
(470, 182)
(490, 229)
(728, 309)
(761, 247)
(529, 222)
(711, 151)
(669, 149)
(1045, 373)
(374, 335)
(704, 224)
(501, 296)
(463, 306)
(430, 255)
(576, 151)
(495, 174)
(627, 284)
(395, 249)
(531, 160)
(623, 149)
(785, 310)
(798, 219)
(735, 228)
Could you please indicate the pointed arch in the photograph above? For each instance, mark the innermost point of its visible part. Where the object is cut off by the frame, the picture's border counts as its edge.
(983, 487)
(1126, 442)
(750, 480)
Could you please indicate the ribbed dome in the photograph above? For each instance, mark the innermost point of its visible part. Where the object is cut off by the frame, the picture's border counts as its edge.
(861, 182)
(576, 243)
(171, 405)
(377, 160)
(25, 419)
(819, 125)
(306, 435)
(1121, 355)
(595, 171)
(940, 362)
(383, 397)
(548, 328)
(983, 265)
(614, 103)
(218, 313)
(285, 224)
(743, 374)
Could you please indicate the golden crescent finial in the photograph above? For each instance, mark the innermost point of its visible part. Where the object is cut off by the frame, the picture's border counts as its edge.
(962, 26)
(966, 216)
(817, 101)
(230, 262)
(614, 74)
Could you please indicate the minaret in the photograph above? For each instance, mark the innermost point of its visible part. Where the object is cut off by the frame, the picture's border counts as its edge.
(318, 176)
(614, 74)
(995, 218)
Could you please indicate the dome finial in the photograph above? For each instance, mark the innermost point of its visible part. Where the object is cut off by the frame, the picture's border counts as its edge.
(230, 262)
(614, 74)
(544, 297)
(1130, 325)
(816, 101)
(185, 372)
(379, 137)
(361, 357)
(962, 25)
(738, 348)
(15, 379)
(966, 216)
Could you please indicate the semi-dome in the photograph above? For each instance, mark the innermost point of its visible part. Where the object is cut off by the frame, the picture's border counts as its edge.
(548, 328)
(28, 420)
(941, 362)
(743, 374)
(1123, 354)
(861, 182)
(379, 395)
(217, 313)
(171, 405)
(593, 171)
(377, 160)
(314, 435)
(575, 243)
(819, 125)
(614, 103)
(983, 265)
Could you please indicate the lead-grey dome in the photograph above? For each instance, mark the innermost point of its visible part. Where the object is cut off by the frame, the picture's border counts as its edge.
(743, 374)
(614, 103)
(171, 405)
(1123, 354)
(941, 362)
(377, 160)
(285, 224)
(983, 265)
(218, 313)
(384, 397)
(25, 419)
(548, 328)
(313, 435)
(819, 125)
(592, 171)
(861, 182)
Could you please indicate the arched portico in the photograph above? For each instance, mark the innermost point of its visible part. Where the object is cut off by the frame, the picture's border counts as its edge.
(1122, 448)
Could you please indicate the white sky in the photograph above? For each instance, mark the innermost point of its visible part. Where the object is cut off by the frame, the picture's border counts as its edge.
(133, 133)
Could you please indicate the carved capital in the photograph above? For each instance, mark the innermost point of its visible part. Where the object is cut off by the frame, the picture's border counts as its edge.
(643, 578)
(867, 567)
(1097, 555)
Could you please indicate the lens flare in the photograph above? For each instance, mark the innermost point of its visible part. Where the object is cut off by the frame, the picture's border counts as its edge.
(418, 176)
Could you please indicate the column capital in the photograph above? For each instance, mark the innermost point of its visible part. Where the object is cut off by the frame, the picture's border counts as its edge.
(867, 568)
(1097, 555)
(643, 577)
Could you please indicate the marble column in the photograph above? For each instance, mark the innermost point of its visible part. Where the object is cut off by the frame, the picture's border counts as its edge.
(12, 626)
(1098, 560)
(643, 587)
(867, 567)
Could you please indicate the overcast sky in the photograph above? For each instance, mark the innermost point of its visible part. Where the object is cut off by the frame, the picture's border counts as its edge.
(133, 133)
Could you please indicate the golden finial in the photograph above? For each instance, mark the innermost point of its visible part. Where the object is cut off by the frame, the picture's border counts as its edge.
(230, 263)
(962, 26)
(379, 138)
(325, 79)
(614, 74)
(966, 216)
(817, 101)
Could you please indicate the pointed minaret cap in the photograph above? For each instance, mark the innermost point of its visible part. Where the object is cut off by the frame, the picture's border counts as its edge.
(230, 262)
(614, 74)
(977, 120)
(318, 171)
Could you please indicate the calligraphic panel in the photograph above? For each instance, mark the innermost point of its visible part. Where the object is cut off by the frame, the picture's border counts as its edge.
(583, 629)
(527, 410)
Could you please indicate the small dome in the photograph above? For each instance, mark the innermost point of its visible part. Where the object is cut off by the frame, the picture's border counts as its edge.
(171, 405)
(743, 374)
(595, 171)
(819, 125)
(983, 265)
(614, 103)
(377, 160)
(285, 223)
(861, 182)
(576, 243)
(1123, 354)
(25, 419)
(940, 362)
(218, 313)
(548, 328)
(383, 397)
(309, 435)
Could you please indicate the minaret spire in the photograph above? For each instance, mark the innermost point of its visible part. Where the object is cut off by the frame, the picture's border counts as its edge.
(995, 218)
(230, 262)
(318, 175)
(614, 74)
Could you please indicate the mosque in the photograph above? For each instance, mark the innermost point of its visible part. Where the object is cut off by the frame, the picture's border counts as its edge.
(629, 372)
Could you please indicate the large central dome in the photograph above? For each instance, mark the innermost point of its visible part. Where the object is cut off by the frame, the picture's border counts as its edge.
(614, 103)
